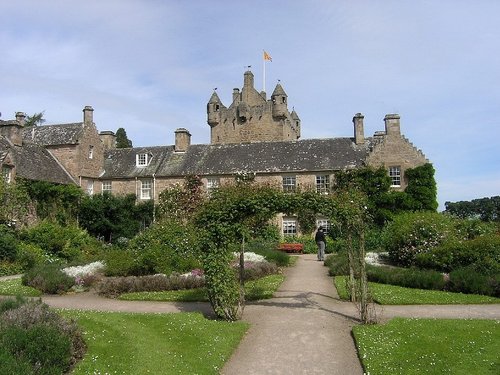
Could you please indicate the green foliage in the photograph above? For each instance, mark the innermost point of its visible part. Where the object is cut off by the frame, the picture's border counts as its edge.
(41, 346)
(487, 209)
(115, 286)
(113, 217)
(33, 334)
(34, 120)
(407, 277)
(338, 264)
(122, 140)
(8, 243)
(119, 262)
(54, 201)
(164, 248)
(29, 255)
(410, 234)
(48, 278)
(14, 202)
(268, 250)
(468, 280)
(179, 202)
(422, 187)
(10, 268)
(67, 242)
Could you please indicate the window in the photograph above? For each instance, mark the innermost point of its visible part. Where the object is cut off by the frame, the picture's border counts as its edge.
(91, 152)
(289, 183)
(141, 160)
(106, 187)
(289, 227)
(90, 187)
(323, 184)
(212, 184)
(7, 174)
(395, 175)
(146, 189)
(323, 223)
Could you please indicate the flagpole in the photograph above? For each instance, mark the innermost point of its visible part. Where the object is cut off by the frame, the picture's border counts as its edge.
(264, 70)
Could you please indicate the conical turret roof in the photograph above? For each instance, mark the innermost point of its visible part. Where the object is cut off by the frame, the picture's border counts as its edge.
(278, 91)
(294, 115)
(214, 98)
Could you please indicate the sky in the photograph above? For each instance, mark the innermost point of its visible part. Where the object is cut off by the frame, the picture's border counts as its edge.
(150, 66)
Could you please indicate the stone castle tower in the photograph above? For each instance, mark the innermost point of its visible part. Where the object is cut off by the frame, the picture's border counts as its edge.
(251, 117)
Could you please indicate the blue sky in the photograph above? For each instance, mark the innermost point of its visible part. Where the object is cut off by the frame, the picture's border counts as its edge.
(151, 66)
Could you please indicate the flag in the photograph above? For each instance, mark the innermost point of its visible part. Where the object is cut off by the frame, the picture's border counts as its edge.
(267, 57)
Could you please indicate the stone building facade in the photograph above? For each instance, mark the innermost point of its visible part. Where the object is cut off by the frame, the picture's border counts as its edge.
(253, 135)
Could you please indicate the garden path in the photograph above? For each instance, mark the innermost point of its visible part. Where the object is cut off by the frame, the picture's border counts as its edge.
(304, 329)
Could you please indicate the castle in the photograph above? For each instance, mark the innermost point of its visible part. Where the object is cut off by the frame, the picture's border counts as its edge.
(253, 135)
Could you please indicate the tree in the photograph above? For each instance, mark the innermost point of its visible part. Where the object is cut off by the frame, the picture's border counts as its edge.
(487, 209)
(35, 120)
(422, 187)
(121, 139)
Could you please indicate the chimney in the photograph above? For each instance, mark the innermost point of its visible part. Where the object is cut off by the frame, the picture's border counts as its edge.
(248, 79)
(392, 126)
(236, 94)
(359, 131)
(108, 139)
(182, 140)
(88, 115)
(21, 118)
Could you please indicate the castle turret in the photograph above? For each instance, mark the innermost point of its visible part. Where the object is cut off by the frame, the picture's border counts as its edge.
(213, 110)
(296, 122)
(279, 99)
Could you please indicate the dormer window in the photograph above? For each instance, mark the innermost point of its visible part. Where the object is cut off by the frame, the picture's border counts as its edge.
(141, 160)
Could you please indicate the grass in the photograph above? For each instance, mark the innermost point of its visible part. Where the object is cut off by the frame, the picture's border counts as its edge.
(432, 346)
(386, 294)
(127, 343)
(263, 288)
(14, 287)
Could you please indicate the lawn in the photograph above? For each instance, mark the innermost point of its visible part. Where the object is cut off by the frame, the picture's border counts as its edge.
(13, 287)
(385, 294)
(183, 343)
(432, 346)
(254, 290)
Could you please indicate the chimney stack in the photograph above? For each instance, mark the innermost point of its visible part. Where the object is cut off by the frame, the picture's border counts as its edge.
(21, 118)
(359, 131)
(392, 125)
(236, 94)
(182, 140)
(88, 115)
(108, 139)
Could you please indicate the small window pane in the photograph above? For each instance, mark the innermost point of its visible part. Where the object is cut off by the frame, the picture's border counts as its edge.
(146, 189)
(395, 175)
(323, 184)
(106, 186)
(289, 183)
(289, 227)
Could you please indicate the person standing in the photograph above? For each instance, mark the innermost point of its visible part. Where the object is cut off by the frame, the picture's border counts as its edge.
(320, 241)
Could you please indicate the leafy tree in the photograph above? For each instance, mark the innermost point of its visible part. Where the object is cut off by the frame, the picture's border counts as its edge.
(487, 209)
(14, 202)
(35, 120)
(179, 202)
(112, 217)
(422, 187)
(53, 201)
(121, 139)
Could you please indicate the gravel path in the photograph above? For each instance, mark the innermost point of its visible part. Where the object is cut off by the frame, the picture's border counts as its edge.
(304, 329)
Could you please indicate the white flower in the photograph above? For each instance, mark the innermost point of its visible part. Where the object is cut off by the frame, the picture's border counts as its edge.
(88, 269)
(251, 257)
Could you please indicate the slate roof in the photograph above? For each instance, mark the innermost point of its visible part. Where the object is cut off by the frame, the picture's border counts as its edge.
(261, 157)
(53, 135)
(35, 163)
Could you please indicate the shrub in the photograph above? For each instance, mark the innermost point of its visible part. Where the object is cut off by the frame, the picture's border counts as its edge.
(254, 271)
(114, 286)
(410, 234)
(337, 264)
(11, 303)
(268, 250)
(164, 248)
(37, 335)
(29, 255)
(118, 262)
(10, 268)
(8, 244)
(66, 242)
(10, 364)
(468, 280)
(407, 277)
(48, 278)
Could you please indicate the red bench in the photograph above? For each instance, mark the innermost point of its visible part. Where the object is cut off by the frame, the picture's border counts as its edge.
(291, 247)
